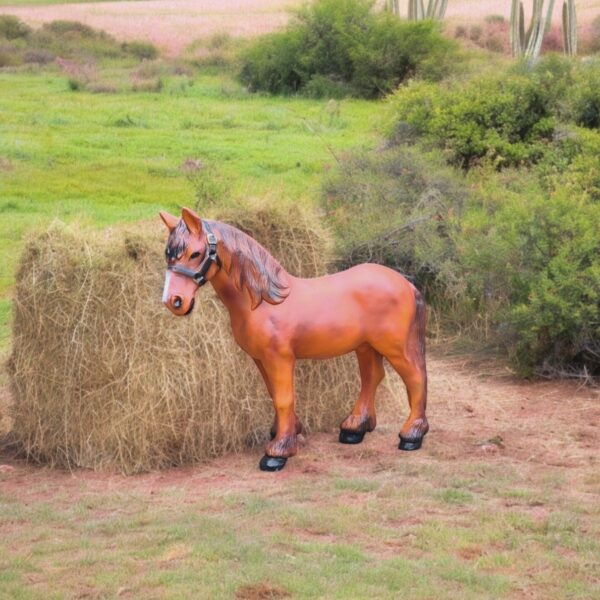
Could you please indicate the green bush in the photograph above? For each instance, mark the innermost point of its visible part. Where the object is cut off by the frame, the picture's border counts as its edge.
(504, 120)
(572, 164)
(510, 257)
(75, 29)
(12, 28)
(532, 262)
(584, 96)
(341, 46)
(141, 50)
(516, 259)
(398, 208)
(71, 39)
(65, 39)
(271, 63)
(220, 50)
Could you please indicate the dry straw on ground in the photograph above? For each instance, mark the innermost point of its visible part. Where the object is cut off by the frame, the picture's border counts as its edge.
(104, 377)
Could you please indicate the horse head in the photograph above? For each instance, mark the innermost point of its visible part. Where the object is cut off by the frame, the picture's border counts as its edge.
(191, 252)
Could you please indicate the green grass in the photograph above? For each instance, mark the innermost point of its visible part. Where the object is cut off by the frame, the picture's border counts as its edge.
(307, 536)
(108, 158)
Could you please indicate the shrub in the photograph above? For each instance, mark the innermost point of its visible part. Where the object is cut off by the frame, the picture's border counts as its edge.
(75, 29)
(220, 50)
(68, 40)
(13, 28)
(397, 208)
(532, 262)
(460, 31)
(71, 39)
(76, 85)
(141, 50)
(154, 84)
(271, 64)
(573, 165)
(553, 39)
(584, 96)
(517, 259)
(504, 120)
(211, 187)
(7, 59)
(492, 34)
(341, 45)
(40, 57)
(513, 260)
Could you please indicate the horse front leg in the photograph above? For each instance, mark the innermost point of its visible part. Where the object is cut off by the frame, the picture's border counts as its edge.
(280, 374)
(273, 431)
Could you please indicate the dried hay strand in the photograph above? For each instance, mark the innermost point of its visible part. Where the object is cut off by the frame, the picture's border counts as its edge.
(104, 377)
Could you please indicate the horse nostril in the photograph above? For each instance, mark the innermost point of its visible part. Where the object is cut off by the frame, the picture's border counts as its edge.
(177, 302)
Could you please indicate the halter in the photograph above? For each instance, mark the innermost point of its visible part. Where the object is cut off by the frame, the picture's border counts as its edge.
(210, 258)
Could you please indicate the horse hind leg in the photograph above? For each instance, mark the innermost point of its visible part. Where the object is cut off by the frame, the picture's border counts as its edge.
(410, 364)
(363, 418)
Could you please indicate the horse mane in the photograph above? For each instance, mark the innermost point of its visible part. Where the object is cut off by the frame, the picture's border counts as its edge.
(251, 267)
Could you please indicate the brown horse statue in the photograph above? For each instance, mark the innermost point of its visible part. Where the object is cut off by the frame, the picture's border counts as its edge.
(278, 318)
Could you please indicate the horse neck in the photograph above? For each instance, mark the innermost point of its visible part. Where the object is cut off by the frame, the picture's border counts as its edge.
(235, 300)
(238, 301)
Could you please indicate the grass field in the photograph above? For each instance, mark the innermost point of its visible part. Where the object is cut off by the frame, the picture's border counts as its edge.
(501, 502)
(108, 158)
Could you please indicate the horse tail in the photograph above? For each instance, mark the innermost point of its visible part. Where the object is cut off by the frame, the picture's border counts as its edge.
(420, 322)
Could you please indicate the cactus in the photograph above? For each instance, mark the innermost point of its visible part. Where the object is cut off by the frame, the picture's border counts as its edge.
(436, 9)
(393, 6)
(569, 25)
(529, 43)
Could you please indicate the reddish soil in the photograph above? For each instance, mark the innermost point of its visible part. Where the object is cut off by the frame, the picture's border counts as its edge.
(546, 425)
(173, 24)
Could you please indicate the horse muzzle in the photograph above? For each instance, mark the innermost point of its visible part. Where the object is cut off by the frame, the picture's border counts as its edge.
(179, 306)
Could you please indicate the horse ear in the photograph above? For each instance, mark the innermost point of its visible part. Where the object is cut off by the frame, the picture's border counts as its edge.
(192, 221)
(169, 220)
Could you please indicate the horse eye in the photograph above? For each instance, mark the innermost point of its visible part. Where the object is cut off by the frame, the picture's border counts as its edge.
(195, 255)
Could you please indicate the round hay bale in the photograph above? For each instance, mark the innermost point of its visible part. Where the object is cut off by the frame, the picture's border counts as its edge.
(103, 376)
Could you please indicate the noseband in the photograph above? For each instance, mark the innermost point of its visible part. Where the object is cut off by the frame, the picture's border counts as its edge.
(210, 258)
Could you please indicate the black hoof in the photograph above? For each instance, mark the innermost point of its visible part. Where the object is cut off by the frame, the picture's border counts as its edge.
(272, 463)
(351, 437)
(410, 444)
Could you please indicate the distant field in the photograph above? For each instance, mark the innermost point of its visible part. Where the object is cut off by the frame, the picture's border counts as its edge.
(48, 2)
(111, 158)
(170, 24)
(173, 24)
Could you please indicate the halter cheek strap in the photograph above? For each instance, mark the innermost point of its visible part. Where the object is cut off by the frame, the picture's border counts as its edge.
(210, 257)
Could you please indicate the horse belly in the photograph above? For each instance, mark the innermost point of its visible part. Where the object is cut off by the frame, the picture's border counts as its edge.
(332, 332)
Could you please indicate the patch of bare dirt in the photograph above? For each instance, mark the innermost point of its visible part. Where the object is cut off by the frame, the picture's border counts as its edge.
(543, 425)
(173, 24)
(261, 591)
